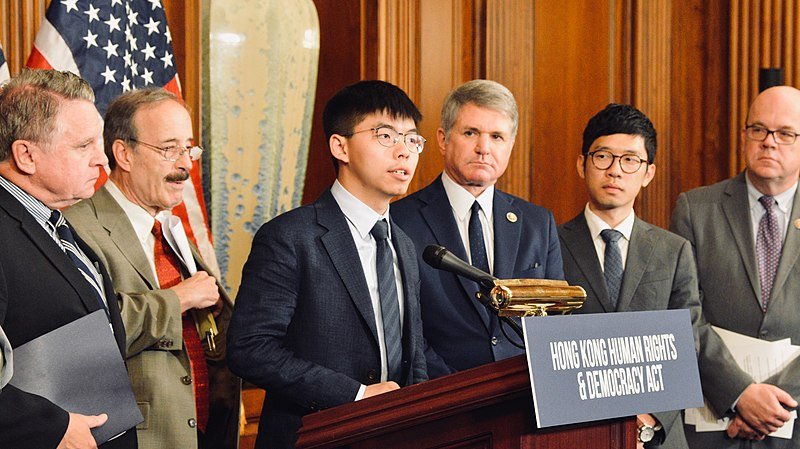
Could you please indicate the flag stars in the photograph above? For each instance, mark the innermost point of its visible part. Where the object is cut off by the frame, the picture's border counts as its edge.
(108, 75)
(152, 26)
(70, 4)
(147, 76)
(91, 39)
(135, 69)
(167, 59)
(169, 36)
(127, 58)
(92, 13)
(116, 2)
(133, 17)
(126, 83)
(149, 51)
(155, 4)
(111, 49)
(113, 24)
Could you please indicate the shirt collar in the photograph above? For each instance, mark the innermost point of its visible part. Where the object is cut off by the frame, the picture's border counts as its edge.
(784, 199)
(35, 207)
(361, 216)
(596, 224)
(140, 219)
(461, 200)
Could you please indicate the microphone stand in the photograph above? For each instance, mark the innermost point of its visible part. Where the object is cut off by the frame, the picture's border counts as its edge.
(483, 296)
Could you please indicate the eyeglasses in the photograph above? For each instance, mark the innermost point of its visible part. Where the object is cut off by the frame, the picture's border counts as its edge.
(604, 159)
(173, 152)
(759, 133)
(388, 138)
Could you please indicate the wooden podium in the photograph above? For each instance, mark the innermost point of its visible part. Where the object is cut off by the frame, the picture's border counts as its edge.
(486, 407)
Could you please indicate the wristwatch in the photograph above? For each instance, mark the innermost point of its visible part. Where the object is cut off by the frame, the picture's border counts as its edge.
(647, 432)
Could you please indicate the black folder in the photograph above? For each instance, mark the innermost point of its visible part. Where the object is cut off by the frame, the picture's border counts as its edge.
(79, 368)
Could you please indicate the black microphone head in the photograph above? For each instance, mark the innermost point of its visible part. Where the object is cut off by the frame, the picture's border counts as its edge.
(433, 255)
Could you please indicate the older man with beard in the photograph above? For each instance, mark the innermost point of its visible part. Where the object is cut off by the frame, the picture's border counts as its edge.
(167, 297)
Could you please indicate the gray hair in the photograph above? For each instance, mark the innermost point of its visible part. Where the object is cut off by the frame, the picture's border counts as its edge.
(30, 102)
(483, 93)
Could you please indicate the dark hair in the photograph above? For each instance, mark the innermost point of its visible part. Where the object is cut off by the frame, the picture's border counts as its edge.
(120, 115)
(620, 119)
(352, 104)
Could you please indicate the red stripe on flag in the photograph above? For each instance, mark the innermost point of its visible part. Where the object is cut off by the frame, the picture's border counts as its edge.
(37, 61)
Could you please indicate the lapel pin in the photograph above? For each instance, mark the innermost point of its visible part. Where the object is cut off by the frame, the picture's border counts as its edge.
(797, 223)
(512, 217)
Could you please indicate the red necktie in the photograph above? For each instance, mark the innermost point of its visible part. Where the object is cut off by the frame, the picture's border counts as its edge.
(169, 275)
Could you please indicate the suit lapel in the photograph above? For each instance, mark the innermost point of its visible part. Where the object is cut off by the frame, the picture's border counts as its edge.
(341, 249)
(115, 221)
(50, 249)
(506, 235)
(438, 214)
(578, 240)
(790, 250)
(736, 207)
(640, 250)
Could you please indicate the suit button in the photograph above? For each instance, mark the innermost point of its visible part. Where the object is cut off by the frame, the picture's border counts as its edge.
(187, 380)
(494, 341)
(764, 333)
(192, 423)
(372, 374)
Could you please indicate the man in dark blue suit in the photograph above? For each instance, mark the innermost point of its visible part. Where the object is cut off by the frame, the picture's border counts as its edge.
(462, 211)
(328, 310)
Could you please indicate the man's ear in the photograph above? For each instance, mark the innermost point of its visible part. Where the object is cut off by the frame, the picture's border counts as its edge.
(580, 165)
(123, 155)
(339, 150)
(441, 139)
(22, 152)
(649, 175)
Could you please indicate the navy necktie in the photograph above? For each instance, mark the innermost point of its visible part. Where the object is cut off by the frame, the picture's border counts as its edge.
(612, 264)
(71, 247)
(390, 307)
(768, 249)
(477, 248)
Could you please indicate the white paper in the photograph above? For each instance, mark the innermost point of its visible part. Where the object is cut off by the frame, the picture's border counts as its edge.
(760, 359)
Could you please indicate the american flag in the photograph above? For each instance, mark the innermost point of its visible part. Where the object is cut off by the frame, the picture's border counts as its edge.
(119, 45)
(3, 67)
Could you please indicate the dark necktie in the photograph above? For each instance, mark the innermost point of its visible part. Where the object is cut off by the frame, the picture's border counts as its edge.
(612, 264)
(768, 249)
(169, 274)
(71, 247)
(477, 249)
(390, 307)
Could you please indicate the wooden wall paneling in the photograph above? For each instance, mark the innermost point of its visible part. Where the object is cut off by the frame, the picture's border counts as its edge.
(185, 26)
(19, 22)
(341, 58)
(510, 61)
(573, 64)
(652, 88)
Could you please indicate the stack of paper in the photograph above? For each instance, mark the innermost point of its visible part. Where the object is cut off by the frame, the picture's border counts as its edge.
(759, 358)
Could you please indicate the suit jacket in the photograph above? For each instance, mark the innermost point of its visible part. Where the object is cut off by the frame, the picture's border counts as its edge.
(6, 362)
(41, 290)
(659, 275)
(460, 332)
(716, 219)
(303, 327)
(157, 361)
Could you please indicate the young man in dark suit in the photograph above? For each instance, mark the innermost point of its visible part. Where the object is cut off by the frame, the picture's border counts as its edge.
(624, 263)
(328, 309)
(51, 154)
(496, 232)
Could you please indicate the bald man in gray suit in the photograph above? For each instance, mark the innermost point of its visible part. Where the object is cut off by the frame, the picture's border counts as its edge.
(746, 235)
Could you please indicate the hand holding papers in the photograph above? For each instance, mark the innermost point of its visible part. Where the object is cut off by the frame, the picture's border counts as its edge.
(759, 358)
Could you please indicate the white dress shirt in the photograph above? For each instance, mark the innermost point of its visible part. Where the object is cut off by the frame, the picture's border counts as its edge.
(461, 204)
(361, 219)
(597, 225)
(783, 212)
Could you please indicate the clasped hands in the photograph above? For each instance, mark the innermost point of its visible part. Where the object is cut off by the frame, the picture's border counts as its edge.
(761, 410)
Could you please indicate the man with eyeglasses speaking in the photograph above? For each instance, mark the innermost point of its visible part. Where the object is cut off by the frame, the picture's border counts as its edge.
(494, 231)
(174, 310)
(746, 235)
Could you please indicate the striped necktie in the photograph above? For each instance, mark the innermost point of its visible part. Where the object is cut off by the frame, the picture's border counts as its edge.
(390, 307)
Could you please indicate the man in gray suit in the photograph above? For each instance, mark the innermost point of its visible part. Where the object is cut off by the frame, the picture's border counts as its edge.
(624, 263)
(746, 236)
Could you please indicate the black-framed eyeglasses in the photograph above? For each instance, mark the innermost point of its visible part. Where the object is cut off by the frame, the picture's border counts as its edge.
(604, 159)
(172, 153)
(388, 138)
(759, 133)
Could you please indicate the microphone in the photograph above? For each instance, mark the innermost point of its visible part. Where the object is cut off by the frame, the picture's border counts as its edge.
(440, 258)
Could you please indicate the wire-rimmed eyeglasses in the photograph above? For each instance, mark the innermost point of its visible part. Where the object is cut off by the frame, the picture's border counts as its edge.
(172, 153)
(604, 159)
(388, 137)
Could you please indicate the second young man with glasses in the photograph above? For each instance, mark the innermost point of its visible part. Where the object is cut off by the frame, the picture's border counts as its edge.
(624, 263)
